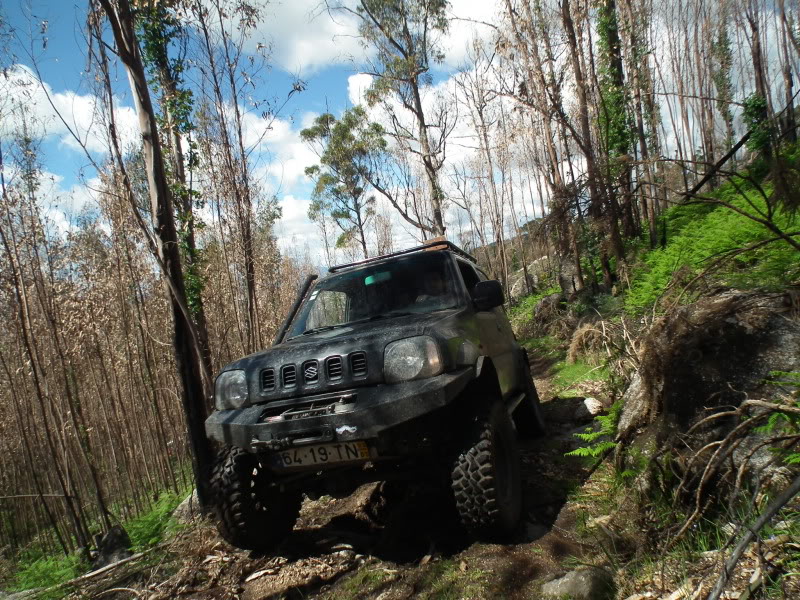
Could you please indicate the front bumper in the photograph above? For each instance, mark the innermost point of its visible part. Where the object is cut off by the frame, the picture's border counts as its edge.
(377, 411)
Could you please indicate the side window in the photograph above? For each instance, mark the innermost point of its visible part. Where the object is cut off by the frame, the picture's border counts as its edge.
(468, 274)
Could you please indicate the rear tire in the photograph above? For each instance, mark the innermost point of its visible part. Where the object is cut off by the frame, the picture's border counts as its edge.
(251, 514)
(486, 477)
(528, 417)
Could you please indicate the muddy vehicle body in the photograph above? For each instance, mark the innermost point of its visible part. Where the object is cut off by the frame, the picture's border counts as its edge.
(399, 367)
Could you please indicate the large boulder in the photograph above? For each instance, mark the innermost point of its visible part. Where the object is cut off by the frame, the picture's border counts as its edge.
(188, 510)
(537, 271)
(702, 359)
(112, 547)
(708, 355)
(583, 584)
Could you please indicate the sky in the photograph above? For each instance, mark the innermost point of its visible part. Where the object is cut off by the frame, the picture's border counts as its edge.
(49, 53)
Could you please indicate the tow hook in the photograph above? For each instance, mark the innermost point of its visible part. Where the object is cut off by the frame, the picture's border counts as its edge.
(273, 445)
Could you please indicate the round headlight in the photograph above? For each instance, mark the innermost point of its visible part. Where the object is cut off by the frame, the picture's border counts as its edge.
(231, 390)
(411, 358)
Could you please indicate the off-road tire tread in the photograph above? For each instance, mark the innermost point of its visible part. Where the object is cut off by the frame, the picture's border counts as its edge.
(239, 521)
(474, 482)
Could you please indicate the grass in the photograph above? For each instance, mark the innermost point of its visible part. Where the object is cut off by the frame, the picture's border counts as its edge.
(546, 347)
(35, 570)
(363, 582)
(444, 580)
(568, 375)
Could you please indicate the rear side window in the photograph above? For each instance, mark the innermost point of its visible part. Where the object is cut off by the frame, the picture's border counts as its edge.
(468, 274)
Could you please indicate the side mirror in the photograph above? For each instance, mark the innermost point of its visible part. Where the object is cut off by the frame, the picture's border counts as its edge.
(487, 294)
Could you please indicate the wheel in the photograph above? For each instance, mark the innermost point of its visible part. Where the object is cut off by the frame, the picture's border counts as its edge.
(486, 477)
(528, 417)
(251, 514)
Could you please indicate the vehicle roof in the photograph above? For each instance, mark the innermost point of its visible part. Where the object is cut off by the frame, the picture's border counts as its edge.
(439, 243)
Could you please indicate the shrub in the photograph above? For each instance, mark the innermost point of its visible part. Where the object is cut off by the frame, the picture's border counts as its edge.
(148, 529)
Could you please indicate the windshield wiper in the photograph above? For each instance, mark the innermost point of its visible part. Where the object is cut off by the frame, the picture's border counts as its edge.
(318, 329)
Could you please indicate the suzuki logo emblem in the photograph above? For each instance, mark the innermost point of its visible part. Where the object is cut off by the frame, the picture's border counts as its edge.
(310, 372)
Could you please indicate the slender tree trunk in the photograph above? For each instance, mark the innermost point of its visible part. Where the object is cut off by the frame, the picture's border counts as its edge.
(186, 349)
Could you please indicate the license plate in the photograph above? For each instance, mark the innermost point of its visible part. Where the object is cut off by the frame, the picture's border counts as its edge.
(322, 454)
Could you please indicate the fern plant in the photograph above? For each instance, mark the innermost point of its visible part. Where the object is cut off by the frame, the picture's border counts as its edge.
(785, 423)
(600, 441)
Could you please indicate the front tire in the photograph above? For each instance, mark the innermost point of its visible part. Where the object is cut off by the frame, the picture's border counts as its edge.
(486, 477)
(251, 514)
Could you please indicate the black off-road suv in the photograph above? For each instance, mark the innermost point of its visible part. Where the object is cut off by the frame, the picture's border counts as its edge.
(398, 367)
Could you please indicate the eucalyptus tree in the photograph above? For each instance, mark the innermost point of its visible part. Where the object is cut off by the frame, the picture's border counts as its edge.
(406, 38)
(345, 148)
(194, 376)
(159, 29)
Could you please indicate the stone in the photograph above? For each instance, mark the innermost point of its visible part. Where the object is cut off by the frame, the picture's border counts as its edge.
(583, 584)
(188, 510)
(112, 547)
(588, 409)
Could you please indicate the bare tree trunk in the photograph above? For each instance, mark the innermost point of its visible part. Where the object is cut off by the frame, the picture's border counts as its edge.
(186, 345)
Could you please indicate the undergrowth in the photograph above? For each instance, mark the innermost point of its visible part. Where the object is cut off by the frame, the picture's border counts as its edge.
(149, 529)
(600, 440)
(700, 234)
(568, 375)
(34, 569)
(47, 571)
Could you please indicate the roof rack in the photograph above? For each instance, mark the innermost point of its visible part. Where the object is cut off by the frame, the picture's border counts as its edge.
(439, 243)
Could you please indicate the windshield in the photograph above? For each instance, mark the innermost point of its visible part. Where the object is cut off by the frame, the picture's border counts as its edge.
(414, 284)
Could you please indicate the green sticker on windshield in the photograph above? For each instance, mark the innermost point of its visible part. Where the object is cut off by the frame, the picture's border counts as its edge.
(377, 277)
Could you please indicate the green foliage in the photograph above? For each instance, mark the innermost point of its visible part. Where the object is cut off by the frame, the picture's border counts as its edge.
(405, 35)
(157, 30)
(721, 64)
(348, 149)
(600, 441)
(149, 528)
(614, 122)
(701, 233)
(754, 115)
(38, 571)
(526, 305)
(546, 347)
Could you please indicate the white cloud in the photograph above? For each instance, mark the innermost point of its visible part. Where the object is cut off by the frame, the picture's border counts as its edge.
(22, 91)
(22, 94)
(468, 20)
(278, 147)
(305, 39)
(294, 229)
(357, 86)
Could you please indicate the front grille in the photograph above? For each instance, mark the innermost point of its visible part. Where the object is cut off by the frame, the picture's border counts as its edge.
(311, 371)
(268, 379)
(289, 375)
(358, 364)
(333, 367)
